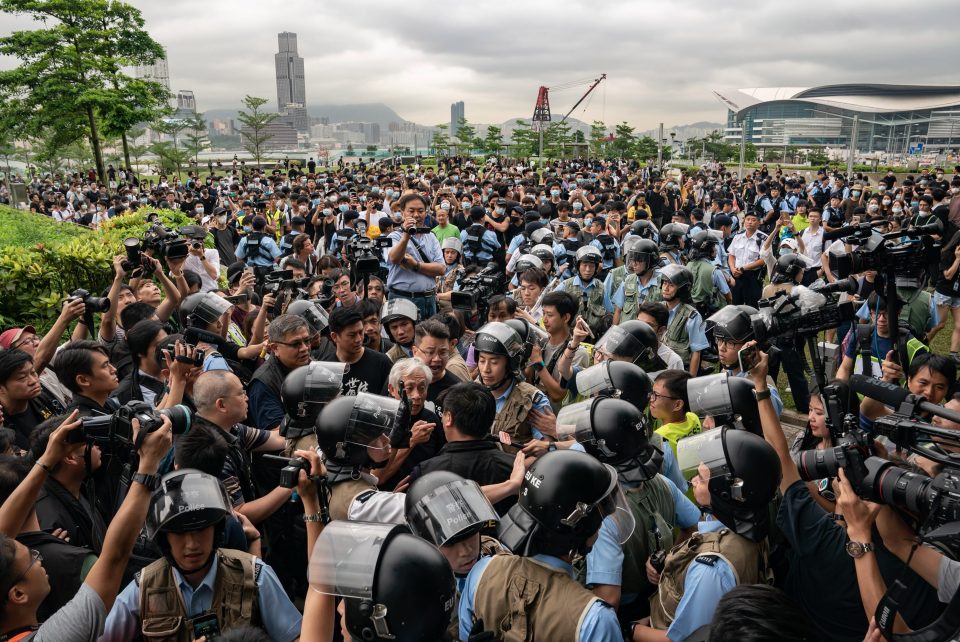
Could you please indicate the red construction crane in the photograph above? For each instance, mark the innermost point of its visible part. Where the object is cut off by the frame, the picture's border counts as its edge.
(541, 111)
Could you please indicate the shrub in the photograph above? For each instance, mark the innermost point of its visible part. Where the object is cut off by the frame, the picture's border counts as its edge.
(43, 261)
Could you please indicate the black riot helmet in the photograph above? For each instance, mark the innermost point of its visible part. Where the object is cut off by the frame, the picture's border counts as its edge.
(501, 339)
(186, 500)
(354, 431)
(744, 475)
(444, 508)
(671, 236)
(610, 429)
(563, 499)
(201, 309)
(312, 312)
(728, 399)
(644, 229)
(732, 323)
(396, 586)
(530, 334)
(788, 268)
(619, 379)
(633, 340)
(702, 243)
(646, 252)
(681, 277)
(306, 389)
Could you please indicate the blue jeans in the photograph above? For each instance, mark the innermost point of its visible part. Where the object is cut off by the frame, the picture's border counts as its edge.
(426, 305)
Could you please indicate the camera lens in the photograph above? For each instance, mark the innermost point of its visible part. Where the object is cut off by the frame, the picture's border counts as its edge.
(820, 463)
(896, 486)
(179, 418)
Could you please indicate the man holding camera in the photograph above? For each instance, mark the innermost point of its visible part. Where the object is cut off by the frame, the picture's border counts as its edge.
(202, 261)
(415, 260)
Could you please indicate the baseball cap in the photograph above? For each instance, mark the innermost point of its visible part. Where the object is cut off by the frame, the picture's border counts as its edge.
(298, 220)
(234, 270)
(11, 336)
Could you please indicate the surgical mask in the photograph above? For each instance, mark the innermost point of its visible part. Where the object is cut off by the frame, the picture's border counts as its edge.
(247, 228)
(465, 204)
(445, 206)
(543, 198)
(897, 210)
(855, 194)
(327, 211)
(363, 199)
(344, 207)
(873, 207)
(222, 220)
(389, 193)
(554, 192)
(955, 190)
(334, 198)
(198, 210)
(587, 222)
(578, 205)
(500, 211)
(886, 202)
(914, 204)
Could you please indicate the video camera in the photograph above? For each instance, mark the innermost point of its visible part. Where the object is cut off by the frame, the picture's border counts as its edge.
(364, 253)
(290, 469)
(908, 254)
(135, 257)
(164, 243)
(477, 289)
(117, 429)
(803, 313)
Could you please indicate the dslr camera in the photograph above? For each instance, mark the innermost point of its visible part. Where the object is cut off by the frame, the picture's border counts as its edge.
(92, 303)
(117, 429)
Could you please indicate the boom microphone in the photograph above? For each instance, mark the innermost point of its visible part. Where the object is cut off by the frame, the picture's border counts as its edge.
(893, 395)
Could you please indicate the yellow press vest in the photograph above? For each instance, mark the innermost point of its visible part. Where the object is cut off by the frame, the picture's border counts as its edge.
(163, 615)
(523, 600)
(674, 432)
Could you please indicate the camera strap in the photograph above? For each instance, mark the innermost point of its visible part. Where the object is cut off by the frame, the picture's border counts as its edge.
(419, 250)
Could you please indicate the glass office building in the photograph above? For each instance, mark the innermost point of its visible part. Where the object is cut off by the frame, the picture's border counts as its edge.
(894, 119)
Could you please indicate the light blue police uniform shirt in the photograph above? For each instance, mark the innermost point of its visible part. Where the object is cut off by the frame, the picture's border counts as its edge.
(608, 291)
(407, 280)
(515, 242)
(594, 283)
(267, 247)
(607, 263)
(703, 587)
(488, 245)
(696, 329)
(540, 402)
(864, 313)
(642, 290)
(605, 559)
(280, 618)
(599, 624)
(671, 469)
(720, 283)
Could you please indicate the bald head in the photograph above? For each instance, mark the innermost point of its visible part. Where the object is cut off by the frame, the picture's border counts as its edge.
(213, 385)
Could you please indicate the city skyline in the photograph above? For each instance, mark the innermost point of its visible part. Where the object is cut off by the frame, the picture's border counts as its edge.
(663, 58)
(291, 84)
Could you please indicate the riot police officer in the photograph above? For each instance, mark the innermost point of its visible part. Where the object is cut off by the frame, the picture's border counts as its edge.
(641, 285)
(311, 311)
(685, 333)
(304, 393)
(710, 291)
(672, 239)
(399, 319)
(564, 498)
(588, 290)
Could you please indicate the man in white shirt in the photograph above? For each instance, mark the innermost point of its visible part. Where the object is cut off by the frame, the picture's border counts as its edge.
(812, 237)
(204, 261)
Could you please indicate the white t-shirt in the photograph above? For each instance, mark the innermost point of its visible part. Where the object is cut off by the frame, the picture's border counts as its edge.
(812, 243)
(194, 264)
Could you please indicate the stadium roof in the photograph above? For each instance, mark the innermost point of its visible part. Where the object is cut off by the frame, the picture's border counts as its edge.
(870, 98)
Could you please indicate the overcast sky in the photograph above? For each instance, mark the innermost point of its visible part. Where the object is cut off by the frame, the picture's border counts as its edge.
(662, 57)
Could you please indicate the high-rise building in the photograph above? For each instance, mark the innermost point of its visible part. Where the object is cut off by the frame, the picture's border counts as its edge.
(456, 115)
(291, 87)
(157, 72)
(186, 105)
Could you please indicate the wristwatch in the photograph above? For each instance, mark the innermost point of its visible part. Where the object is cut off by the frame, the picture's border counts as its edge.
(856, 550)
(152, 482)
(761, 395)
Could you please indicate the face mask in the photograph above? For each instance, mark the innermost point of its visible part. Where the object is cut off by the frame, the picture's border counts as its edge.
(914, 203)
(389, 193)
(363, 199)
(222, 220)
(955, 190)
(578, 205)
(247, 228)
(588, 222)
(855, 194)
(873, 207)
(897, 210)
(445, 206)
(455, 179)
(500, 211)
(303, 208)
(374, 190)
(886, 202)
(327, 211)
(343, 208)
(554, 192)
(939, 176)
(465, 204)
(334, 198)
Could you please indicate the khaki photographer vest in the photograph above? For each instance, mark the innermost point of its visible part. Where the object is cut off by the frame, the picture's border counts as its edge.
(512, 418)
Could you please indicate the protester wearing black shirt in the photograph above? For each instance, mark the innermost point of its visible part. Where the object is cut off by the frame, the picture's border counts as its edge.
(369, 369)
(25, 404)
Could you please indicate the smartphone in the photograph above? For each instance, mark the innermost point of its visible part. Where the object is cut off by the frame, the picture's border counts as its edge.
(206, 625)
(749, 357)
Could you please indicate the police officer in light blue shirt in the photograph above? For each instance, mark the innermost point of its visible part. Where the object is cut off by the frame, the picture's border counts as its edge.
(479, 243)
(258, 249)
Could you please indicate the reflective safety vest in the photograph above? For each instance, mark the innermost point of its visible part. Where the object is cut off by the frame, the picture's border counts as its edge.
(163, 615)
(677, 338)
(674, 432)
(746, 559)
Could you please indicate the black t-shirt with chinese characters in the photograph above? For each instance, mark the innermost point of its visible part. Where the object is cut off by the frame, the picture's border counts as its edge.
(369, 374)
(438, 386)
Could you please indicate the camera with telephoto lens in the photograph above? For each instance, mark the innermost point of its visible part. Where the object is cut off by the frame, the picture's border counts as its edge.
(118, 427)
(850, 454)
(935, 500)
(364, 253)
(476, 289)
(802, 313)
(92, 303)
(910, 254)
(165, 243)
(136, 259)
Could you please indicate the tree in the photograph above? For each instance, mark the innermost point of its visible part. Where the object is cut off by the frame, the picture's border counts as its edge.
(171, 128)
(69, 84)
(256, 122)
(170, 157)
(556, 140)
(598, 139)
(197, 141)
(466, 134)
(645, 148)
(525, 139)
(623, 140)
(817, 157)
(440, 141)
(492, 143)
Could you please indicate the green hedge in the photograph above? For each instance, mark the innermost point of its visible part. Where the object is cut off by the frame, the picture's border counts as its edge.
(43, 261)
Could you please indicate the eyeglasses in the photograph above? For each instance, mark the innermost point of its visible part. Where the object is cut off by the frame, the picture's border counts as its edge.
(32, 339)
(654, 395)
(728, 342)
(443, 354)
(35, 557)
(297, 343)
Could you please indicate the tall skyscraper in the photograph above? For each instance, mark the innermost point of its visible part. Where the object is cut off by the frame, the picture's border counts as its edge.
(456, 115)
(291, 88)
(157, 72)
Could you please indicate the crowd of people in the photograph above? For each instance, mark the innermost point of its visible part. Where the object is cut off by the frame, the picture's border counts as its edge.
(488, 401)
